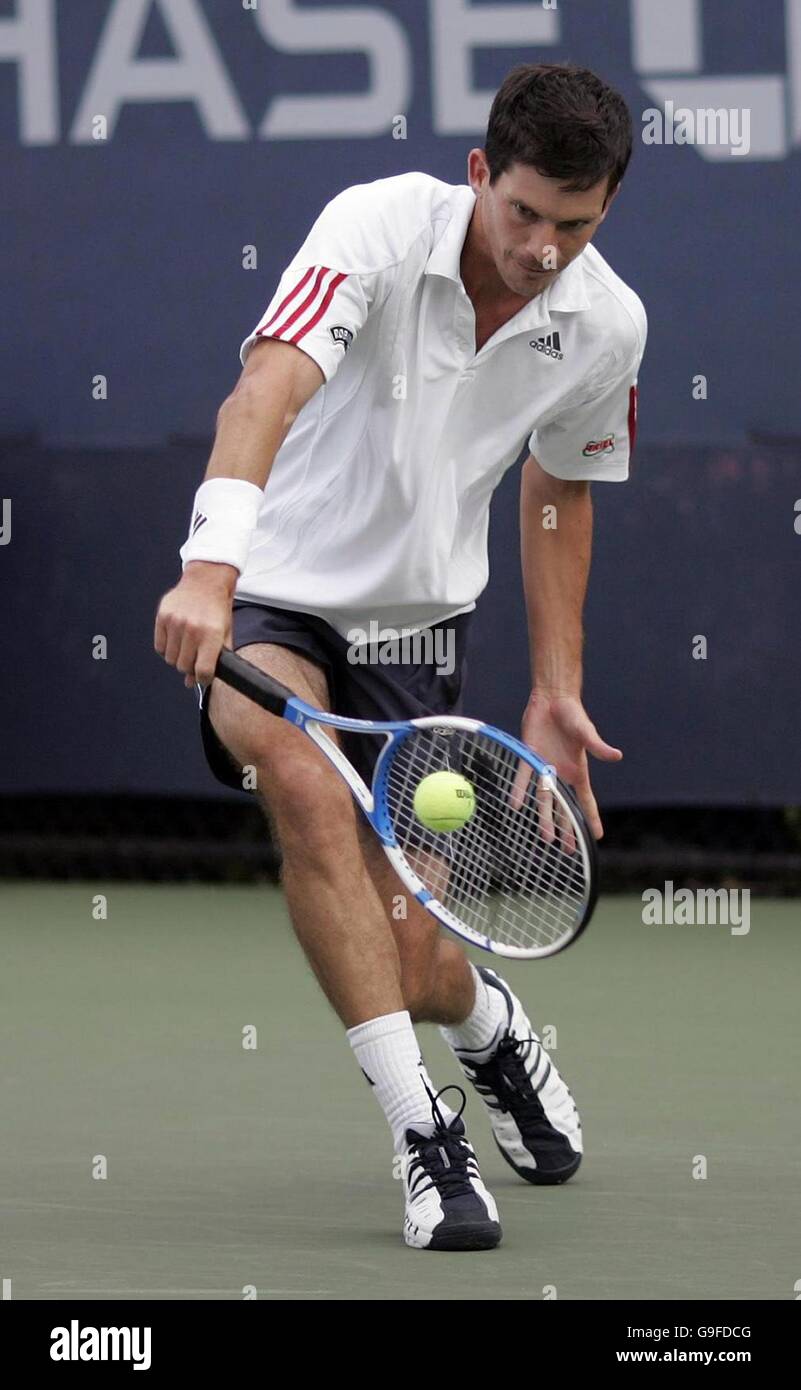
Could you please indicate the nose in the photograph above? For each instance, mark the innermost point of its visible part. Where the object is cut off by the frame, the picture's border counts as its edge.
(541, 242)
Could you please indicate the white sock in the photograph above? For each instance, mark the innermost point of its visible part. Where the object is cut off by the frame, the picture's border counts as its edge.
(481, 1031)
(389, 1055)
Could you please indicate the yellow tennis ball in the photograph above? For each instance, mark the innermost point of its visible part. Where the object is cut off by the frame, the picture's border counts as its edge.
(444, 801)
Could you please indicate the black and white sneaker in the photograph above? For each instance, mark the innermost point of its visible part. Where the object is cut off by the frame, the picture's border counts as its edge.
(447, 1205)
(533, 1115)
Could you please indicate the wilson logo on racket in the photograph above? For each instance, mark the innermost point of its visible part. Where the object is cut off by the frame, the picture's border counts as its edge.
(599, 446)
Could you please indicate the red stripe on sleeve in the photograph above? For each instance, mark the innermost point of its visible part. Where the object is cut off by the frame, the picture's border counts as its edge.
(327, 297)
(632, 418)
(286, 301)
(280, 331)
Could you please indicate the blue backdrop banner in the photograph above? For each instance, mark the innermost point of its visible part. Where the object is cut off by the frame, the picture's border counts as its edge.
(692, 648)
(162, 161)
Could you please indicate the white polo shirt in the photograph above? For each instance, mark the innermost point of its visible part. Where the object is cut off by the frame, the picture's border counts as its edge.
(377, 507)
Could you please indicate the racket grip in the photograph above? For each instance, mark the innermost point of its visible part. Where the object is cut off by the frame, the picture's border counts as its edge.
(249, 680)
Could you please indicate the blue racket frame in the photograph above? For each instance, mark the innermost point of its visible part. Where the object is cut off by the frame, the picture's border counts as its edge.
(277, 699)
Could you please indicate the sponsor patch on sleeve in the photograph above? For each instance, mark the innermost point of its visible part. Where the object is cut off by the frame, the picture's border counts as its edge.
(341, 335)
(599, 446)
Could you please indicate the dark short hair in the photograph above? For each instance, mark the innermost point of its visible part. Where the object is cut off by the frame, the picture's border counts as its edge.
(563, 121)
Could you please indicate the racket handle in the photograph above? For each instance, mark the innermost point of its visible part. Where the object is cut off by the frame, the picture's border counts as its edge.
(243, 676)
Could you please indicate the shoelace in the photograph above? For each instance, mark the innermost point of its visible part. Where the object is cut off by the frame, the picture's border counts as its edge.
(444, 1156)
(493, 1075)
(520, 1101)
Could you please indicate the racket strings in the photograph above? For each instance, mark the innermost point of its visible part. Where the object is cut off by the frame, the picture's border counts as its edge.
(498, 874)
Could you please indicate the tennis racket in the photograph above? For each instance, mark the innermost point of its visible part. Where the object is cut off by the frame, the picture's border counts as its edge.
(519, 878)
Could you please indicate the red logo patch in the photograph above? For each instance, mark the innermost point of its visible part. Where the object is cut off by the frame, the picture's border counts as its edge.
(599, 446)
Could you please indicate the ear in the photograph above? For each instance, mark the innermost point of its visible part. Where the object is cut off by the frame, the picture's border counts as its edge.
(477, 170)
(609, 203)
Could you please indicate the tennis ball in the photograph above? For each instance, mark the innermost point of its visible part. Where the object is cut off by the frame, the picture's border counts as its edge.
(444, 801)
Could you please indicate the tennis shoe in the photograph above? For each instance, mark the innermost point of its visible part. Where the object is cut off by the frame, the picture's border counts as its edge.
(533, 1115)
(447, 1205)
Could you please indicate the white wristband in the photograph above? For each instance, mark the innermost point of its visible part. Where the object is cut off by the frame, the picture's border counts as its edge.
(224, 516)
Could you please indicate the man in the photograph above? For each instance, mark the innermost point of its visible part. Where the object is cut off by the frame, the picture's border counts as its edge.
(422, 335)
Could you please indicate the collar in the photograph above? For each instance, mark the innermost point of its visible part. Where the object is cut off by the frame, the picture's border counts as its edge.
(447, 254)
(566, 294)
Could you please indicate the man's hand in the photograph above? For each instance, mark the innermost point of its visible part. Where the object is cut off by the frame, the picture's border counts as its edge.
(193, 622)
(559, 729)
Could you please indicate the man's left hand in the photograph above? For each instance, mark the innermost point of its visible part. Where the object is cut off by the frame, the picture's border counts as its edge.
(558, 728)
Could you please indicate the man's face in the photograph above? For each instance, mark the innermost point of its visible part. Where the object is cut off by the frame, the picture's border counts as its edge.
(531, 228)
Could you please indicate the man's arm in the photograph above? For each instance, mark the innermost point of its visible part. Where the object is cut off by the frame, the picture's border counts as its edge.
(276, 382)
(556, 564)
(555, 553)
(194, 619)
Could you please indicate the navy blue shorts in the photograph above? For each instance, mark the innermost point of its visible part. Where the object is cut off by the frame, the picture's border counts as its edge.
(373, 690)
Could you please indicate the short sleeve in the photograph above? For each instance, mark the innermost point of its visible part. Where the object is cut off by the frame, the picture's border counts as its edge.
(593, 437)
(326, 293)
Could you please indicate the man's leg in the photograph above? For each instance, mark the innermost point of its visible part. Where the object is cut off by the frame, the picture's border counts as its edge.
(343, 928)
(436, 977)
(440, 984)
(532, 1112)
(335, 910)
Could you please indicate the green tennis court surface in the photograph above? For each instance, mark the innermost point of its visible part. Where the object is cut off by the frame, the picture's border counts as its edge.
(231, 1167)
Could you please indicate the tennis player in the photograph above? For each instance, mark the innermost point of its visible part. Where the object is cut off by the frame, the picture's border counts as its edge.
(421, 338)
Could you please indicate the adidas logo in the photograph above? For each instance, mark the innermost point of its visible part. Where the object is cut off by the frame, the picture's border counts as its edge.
(198, 520)
(550, 345)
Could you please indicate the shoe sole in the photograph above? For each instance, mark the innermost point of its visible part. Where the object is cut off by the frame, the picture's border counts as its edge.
(480, 1237)
(541, 1177)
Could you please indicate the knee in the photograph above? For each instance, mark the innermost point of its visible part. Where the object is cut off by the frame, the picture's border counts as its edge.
(309, 801)
(303, 793)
